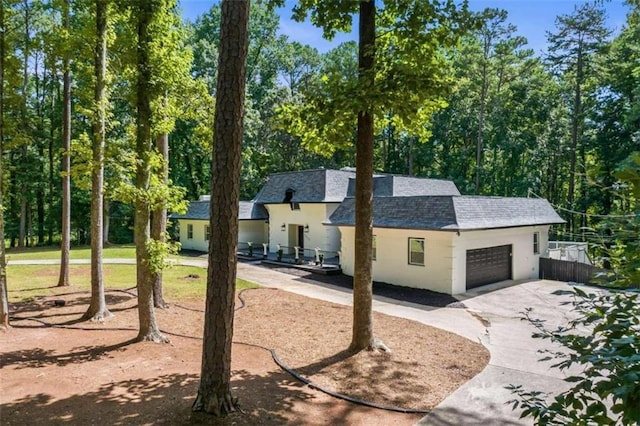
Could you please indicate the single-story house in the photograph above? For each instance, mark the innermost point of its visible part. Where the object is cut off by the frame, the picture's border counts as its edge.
(194, 224)
(450, 243)
(425, 233)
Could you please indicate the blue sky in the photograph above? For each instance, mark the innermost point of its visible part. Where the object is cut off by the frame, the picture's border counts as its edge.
(533, 19)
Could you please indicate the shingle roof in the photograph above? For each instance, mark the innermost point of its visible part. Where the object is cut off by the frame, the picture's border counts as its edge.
(199, 210)
(308, 186)
(451, 213)
(405, 186)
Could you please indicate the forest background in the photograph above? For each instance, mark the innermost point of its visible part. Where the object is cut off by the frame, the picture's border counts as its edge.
(559, 124)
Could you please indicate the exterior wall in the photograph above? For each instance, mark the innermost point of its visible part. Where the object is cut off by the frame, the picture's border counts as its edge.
(312, 215)
(248, 230)
(392, 258)
(445, 255)
(197, 242)
(255, 231)
(524, 263)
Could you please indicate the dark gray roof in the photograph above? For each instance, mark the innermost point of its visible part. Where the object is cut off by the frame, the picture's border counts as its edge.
(451, 213)
(405, 186)
(308, 186)
(199, 210)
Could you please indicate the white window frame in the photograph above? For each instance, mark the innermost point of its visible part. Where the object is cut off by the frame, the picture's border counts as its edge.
(410, 252)
(189, 231)
(536, 243)
(207, 232)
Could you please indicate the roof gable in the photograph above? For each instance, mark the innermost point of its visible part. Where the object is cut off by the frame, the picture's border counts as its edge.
(306, 186)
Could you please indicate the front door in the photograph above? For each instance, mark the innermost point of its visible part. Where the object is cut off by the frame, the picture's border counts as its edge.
(301, 239)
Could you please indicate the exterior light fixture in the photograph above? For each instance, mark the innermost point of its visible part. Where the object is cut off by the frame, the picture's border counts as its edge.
(306, 228)
(283, 227)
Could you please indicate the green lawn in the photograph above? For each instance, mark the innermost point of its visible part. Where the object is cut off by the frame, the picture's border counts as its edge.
(180, 282)
(125, 251)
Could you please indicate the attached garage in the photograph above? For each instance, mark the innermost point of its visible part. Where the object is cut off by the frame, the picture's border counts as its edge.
(488, 265)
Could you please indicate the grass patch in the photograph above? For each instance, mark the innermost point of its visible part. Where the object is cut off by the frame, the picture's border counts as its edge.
(25, 282)
(125, 251)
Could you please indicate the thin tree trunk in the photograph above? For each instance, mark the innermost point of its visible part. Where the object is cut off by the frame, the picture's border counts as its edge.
(65, 243)
(575, 136)
(144, 277)
(214, 392)
(106, 221)
(22, 230)
(4, 299)
(363, 337)
(159, 218)
(98, 310)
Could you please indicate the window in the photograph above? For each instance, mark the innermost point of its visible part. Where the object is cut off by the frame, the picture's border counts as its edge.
(373, 247)
(416, 251)
(288, 198)
(207, 232)
(536, 243)
(189, 232)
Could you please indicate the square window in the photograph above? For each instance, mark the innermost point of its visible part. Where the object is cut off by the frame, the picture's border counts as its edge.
(416, 251)
(373, 248)
(189, 232)
(536, 243)
(207, 232)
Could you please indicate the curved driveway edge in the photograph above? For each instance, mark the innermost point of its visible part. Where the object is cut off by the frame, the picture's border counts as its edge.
(492, 316)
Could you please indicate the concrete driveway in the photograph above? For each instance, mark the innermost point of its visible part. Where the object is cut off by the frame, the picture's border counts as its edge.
(493, 317)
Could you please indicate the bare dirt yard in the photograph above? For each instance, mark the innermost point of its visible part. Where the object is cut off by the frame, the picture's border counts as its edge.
(92, 373)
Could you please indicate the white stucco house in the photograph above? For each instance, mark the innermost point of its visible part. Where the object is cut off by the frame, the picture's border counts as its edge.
(425, 233)
(450, 243)
(194, 224)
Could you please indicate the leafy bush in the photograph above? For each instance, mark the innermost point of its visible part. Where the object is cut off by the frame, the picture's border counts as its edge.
(607, 391)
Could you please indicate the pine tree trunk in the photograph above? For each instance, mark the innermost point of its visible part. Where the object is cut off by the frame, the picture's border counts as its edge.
(106, 221)
(159, 219)
(4, 299)
(65, 243)
(97, 310)
(144, 277)
(214, 392)
(362, 337)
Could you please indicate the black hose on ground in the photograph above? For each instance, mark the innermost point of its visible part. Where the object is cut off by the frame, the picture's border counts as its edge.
(272, 351)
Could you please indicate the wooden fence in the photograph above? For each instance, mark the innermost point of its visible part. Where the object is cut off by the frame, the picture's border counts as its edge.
(563, 270)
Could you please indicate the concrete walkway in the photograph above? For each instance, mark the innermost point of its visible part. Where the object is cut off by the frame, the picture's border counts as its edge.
(492, 317)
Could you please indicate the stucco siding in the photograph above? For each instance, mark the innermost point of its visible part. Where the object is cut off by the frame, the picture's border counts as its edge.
(524, 262)
(197, 242)
(392, 258)
(248, 230)
(309, 214)
(255, 231)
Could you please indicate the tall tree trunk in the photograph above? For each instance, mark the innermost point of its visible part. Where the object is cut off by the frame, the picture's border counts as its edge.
(483, 102)
(22, 230)
(97, 310)
(159, 218)
(50, 219)
(214, 392)
(65, 243)
(106, 221)
(4, 299)
(575, 136)
(144, 276)
(362, 337)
